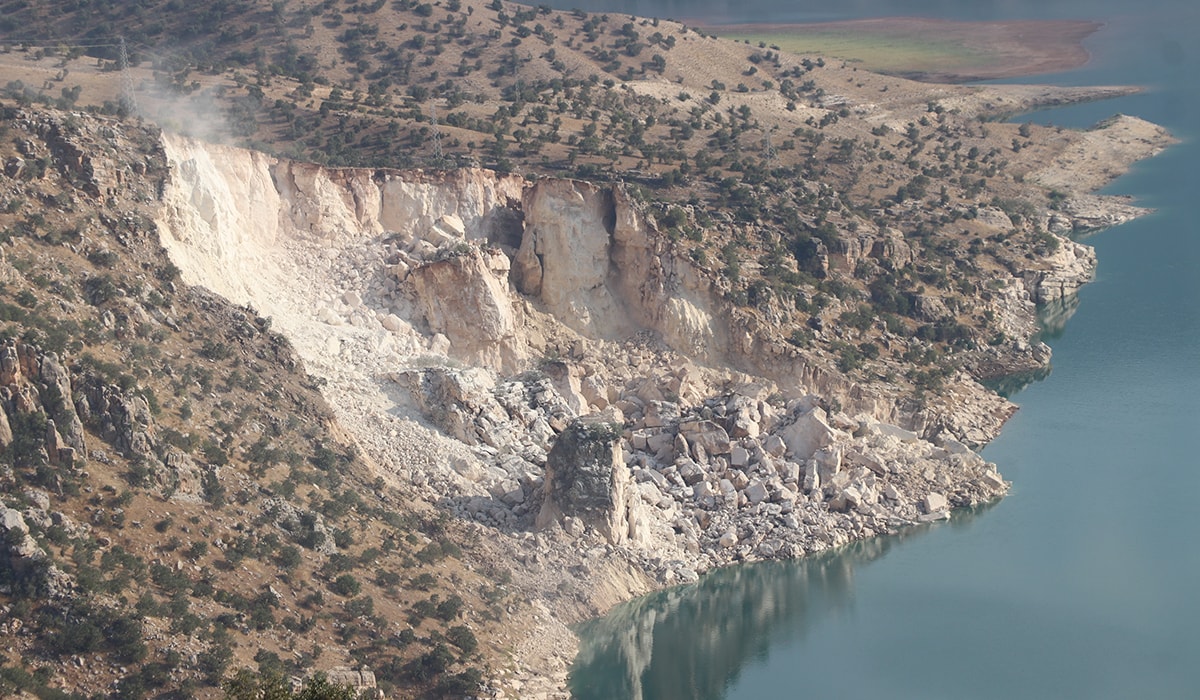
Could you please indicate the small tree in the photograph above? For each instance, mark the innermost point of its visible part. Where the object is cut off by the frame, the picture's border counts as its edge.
(271, 685)
(346, 585)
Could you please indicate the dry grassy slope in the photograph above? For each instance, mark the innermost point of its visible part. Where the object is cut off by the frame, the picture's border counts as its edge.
(183, 562)
(769, 151)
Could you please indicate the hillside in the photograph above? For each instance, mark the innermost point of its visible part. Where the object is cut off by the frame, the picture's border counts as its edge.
(654, 303)
(784, 159)
(178, 500)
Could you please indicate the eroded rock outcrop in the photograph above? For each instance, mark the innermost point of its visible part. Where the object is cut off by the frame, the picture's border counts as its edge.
(586, 480)
(23, 563)
(464, 295)
(1063, 272)
(36, 390)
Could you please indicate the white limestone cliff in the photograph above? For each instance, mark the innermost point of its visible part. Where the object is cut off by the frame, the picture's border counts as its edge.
(462, 321)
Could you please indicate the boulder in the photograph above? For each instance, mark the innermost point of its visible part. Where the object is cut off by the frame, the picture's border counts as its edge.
(807, 434)
(788, 470)
(889, 430)
(462, 299)
(565, 378)
(934, 503)
(13, 167)
(706, 435)
(445, 231)
(828, 461)
(756, 492)
(745, 417)
(586, 478)
(867, 460)
(690, 471)
(775, 446)
(930, 308)
(393, 323)
(662, 444)
(812, 479)
(847, 499)
(439, 344)
(660, 413)
(451, 397)
(993, 480)
(783, 494)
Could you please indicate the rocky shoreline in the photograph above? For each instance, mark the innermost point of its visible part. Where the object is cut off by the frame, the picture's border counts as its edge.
(460, 343)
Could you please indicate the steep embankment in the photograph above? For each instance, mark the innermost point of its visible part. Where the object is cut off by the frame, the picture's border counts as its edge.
(463, 322)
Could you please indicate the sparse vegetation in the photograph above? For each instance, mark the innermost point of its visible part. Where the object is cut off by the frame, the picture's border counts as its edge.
(186, 539)
(223, 506)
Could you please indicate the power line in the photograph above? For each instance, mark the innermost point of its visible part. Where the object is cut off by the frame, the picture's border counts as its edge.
(53, 45)
(769, 153)
(127, 94)
(438, 157)
(44, 43)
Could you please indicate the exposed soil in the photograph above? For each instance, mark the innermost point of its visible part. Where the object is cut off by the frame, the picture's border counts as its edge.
(1008, 49)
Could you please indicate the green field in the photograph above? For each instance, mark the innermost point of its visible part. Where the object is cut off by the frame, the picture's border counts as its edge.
(897, 54)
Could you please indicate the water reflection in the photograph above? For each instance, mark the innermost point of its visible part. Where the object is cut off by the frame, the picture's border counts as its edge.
(1010, 384)
(691, 642)
(1053, 316)
(1052, 321)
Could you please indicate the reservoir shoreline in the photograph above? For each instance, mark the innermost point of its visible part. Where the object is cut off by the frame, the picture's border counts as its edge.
(955, 51)
(1096, 178)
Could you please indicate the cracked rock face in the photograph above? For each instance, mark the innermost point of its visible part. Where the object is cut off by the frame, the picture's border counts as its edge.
(1068, 269)
(536, 357)
(464, 298)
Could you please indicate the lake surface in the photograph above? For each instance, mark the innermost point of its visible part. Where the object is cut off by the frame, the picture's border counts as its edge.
(1084, 581)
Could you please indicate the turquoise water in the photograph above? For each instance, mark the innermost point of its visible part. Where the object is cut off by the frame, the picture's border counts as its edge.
(1083, 582)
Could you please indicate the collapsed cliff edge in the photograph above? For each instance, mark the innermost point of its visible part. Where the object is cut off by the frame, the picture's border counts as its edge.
(538, 357)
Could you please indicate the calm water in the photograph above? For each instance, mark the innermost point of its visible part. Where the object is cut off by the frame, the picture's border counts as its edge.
(1083, 583)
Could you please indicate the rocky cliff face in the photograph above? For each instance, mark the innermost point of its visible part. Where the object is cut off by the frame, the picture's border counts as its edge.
(1063, 273)
(564, 260)
(463, 323)
(374, 274)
